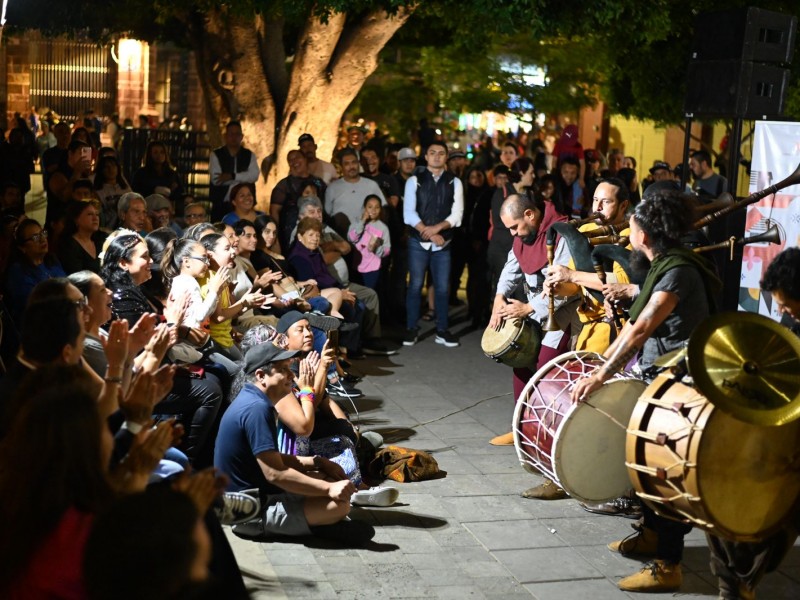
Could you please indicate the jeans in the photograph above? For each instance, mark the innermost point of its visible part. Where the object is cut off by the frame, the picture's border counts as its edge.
(371, 279)
(419, 260)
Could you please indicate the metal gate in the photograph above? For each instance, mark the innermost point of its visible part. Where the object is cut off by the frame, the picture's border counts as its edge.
(70, 77)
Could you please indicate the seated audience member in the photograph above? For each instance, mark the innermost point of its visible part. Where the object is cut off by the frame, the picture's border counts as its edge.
(33, 263)
(243, 201)
(11, 197)
(159, 211)
(109, 186)
(132, 212)
(157, 175)
(198, 230)
(194, 213)
(156, 542)
(195, 400)
(299, 495)
(81, 241)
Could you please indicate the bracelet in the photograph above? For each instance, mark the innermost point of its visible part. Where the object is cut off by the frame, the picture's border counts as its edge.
(133, 427)
(306, 390)
(117, 380)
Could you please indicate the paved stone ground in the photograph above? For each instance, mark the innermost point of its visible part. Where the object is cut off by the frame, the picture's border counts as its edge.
(469, 535)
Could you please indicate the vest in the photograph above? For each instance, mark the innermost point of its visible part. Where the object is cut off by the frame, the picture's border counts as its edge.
(434, 200)
(228, 164)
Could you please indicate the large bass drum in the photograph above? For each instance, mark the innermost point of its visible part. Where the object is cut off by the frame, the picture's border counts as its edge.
(515, 344)
(580, 446)
(695, 463)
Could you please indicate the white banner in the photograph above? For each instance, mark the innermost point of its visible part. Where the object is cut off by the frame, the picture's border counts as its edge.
(776, 155)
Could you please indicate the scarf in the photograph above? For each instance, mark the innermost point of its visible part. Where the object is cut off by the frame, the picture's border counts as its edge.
(671, 259)
(532, 258)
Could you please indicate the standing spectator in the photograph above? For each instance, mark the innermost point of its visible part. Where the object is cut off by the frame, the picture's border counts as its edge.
(509, 154)
(344, 198)
(316, 166)
(707, 184)
(229, 165)
(109, 186)
(570, 187)
(477, 206)
(371, 238)
(56, 156)
(283, 205)
(46, 139)
(614, 159)
(81, 241)
(434, 204)
(157, 175)
(17, 159)
(355, 139)
(569, 145)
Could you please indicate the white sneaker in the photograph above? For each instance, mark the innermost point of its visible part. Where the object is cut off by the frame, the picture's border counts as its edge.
(375, 496)
(237, 507)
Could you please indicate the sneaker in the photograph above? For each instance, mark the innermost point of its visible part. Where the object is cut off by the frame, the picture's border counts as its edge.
(350, 378)
(237, 507)
(323, 322)
(375, 496)
(549, 490)
(374, 438)
(337, 390)
(376, 348)
(618, 507)
(445, 338)
(411, 337)
(642, 543)
(251, 530)
(657, 576)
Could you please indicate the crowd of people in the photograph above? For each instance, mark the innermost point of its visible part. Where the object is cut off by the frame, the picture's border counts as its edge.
(195, 355)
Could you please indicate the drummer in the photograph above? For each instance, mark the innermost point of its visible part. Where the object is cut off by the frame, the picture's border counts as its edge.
(739, 566)
(676, 296)
(528, 219)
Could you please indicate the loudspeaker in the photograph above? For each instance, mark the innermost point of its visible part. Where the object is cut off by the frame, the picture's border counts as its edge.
(747, 34)
(732, 88)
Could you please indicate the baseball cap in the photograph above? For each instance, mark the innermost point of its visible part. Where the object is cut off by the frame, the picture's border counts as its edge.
(358, 128)
(156, 202)
(288, 319)
(265, 354)
(406, 153)
(456, 154)
(306, 137)
(660, 164)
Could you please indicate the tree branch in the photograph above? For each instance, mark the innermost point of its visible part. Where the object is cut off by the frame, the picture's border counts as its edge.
(273, 57)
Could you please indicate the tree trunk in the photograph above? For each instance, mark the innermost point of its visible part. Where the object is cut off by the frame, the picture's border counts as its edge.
(239, 61)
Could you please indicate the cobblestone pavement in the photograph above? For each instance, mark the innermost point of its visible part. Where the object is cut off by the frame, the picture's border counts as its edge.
(470, 534)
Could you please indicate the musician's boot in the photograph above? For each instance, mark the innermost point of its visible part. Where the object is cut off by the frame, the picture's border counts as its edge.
(507, 439)
(657, 576)
(549, 490)
(643, 543)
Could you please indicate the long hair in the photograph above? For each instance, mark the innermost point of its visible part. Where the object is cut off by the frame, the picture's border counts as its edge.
(51, 460)
(20, 237)
(119, 249)
(174, 254)
(99, 182)
(157, 240)
(665, 217)
(147, 162)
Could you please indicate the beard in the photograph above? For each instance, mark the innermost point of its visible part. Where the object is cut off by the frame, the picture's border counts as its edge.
(531, 237)
(640, 264)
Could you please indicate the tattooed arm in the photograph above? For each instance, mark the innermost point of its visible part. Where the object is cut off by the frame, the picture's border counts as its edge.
(630, 340)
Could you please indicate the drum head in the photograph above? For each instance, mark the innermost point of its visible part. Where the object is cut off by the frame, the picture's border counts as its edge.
(495, 342)
(747, 475)
(589, 451)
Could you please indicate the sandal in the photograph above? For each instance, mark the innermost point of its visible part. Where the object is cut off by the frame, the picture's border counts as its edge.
(429, 315)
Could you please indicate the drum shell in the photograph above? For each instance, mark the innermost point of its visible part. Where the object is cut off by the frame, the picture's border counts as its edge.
(552, 435)
(730, 478)
(516, 345)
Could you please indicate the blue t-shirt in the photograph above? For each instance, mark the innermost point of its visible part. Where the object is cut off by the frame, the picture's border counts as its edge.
(231, 218)
(247, 429)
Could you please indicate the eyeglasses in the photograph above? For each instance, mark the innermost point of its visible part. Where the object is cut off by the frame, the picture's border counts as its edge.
(37, 237)
(82, 304)
(195, 216)
(202, 259)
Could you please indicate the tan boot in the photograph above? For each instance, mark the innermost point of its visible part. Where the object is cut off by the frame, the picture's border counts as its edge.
(507, 439)
(642, 544)
(657, 576)
(549, 490)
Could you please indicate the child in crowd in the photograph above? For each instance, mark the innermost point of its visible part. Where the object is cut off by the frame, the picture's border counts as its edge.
(371, 238)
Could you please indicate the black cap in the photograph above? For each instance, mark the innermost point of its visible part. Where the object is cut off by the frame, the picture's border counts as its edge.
(659, 165)
(456, 154)
(265, 354)
(288, 319)
(306, 137)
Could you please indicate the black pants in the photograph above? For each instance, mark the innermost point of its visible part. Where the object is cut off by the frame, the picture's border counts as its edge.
(670, 535)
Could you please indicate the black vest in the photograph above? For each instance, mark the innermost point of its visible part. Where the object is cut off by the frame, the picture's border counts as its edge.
(228, 164)
(434, 199)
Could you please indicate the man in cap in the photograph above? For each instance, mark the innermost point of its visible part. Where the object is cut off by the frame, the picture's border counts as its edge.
(457, 163)
(661, 171)
(299, 494)
(316, 166)
(355, 139)
(159, 210)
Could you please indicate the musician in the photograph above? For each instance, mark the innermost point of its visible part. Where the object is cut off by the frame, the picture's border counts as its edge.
(528, 219)
(739, 566)
(676, 296)
(611, 198)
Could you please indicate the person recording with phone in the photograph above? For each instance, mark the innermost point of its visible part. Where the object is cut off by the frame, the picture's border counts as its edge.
(59, 186)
